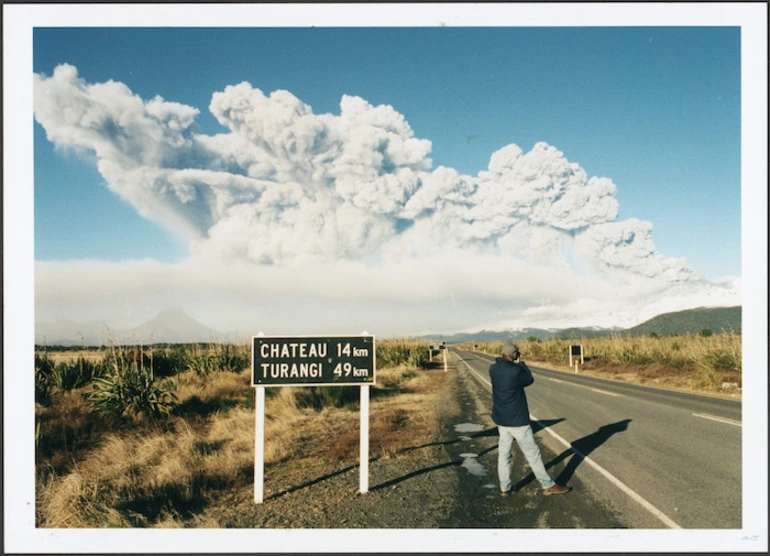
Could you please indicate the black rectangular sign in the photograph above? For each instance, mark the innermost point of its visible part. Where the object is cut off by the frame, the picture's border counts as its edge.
(312, 361)
(576, 350)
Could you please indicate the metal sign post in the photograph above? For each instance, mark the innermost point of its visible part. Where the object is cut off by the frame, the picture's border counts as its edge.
(311, 361)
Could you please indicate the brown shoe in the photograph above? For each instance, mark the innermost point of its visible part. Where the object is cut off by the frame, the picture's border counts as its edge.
(505, 493)
(555, 489)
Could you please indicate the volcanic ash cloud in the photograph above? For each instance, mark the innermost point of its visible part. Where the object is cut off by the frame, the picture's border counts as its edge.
(285, 186)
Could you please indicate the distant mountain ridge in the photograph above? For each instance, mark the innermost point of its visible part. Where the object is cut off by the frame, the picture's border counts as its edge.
(171, 326)
(689, 321)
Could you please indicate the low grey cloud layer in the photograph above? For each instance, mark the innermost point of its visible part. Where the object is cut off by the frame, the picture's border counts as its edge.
(285, 187)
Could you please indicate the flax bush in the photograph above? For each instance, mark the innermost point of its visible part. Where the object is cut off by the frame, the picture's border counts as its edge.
(128, 389)
(218, 357)
(391, 353)
(44, 379)
(73, 375)
(169, 362)
(52, 378)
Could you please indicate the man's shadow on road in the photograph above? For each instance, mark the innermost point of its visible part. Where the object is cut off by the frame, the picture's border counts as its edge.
(456, 462)
(580, 449)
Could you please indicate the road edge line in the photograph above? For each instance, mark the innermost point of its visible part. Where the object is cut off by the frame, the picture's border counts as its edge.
(614, 480)
(724, 420)
(609, 476)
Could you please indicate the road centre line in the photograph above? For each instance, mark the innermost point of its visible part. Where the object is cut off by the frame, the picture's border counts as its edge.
(670, 523)
(720, 419)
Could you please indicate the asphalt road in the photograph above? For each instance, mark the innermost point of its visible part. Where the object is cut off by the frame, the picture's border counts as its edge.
(663, 459)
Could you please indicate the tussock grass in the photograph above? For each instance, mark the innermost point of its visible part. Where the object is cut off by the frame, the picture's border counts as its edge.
(173, 470)
(693, 361)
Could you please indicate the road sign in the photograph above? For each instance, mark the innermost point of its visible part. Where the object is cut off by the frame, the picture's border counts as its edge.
(312, 361)
(575, 351)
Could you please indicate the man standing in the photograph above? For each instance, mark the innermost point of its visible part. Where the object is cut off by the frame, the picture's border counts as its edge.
(510, 375)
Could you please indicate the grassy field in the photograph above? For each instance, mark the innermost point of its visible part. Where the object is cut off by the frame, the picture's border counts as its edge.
(153, 438)
(132, 437)
(695, 362)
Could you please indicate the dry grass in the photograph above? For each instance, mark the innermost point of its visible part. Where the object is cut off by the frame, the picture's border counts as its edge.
(92, 356)
(177, 471)
(693, 362)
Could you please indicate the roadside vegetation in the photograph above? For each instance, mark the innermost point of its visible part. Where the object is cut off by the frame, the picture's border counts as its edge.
(704, 362)
(161, 436)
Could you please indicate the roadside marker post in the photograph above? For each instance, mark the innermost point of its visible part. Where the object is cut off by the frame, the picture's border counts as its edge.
(311, 361)
(575, 351)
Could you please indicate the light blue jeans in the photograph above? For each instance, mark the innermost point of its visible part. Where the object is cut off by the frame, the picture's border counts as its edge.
(526, 440)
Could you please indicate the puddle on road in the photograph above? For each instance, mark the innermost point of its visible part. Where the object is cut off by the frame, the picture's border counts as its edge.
(470, 461)
(472, 465)
(489, 486)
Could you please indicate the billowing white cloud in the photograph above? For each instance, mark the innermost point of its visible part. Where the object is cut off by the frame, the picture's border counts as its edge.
(340, 201)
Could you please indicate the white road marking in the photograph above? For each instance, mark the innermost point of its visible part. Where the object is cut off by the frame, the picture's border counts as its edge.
(609, 476)
(720, 419)
(588, 388)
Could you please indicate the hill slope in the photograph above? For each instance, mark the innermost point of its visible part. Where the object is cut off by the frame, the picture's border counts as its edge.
(692, 321)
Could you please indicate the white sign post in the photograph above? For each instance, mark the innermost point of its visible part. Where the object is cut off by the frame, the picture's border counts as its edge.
(364, 468)
(310, 361)
(259, 446)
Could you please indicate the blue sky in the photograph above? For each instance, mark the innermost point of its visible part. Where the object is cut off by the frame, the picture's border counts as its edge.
(404, 171)
(655, 109)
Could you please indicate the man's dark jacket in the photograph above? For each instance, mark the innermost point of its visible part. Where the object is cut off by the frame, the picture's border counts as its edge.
(509, 400)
